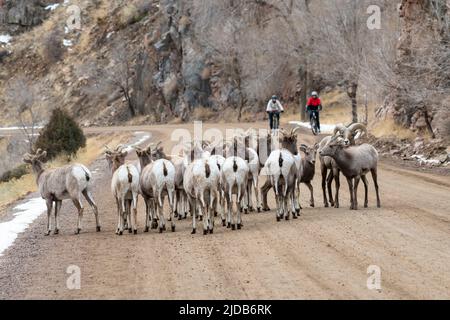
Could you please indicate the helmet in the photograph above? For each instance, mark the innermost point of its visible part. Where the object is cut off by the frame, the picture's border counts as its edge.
(274, 97)
(314, 94)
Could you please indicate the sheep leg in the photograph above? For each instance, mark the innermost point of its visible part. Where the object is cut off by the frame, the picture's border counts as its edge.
(229, 207)
(171, 194)
(375, 182)
(147, 216)
(88, 196)
(162, 221)
(134, 222)
(79, 205)
(264, 191)
(355, 190)
(249, 197)
(337, 185)
(128, 216)
(324, 185)
(238, 212)
(58, 204)
(49, 204)
(366, 191)
(118, 215)
(350, 188)
(176, 201)
(222, 207)
(255, 186)
(330, 191)
(193, 204)
(311, 190)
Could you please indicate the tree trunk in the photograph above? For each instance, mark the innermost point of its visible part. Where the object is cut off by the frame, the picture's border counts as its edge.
(351, 92)
(303, 75)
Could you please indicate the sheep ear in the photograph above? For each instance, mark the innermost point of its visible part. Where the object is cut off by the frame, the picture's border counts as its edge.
(124, 153)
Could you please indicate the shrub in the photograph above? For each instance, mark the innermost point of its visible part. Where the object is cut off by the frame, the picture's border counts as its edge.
(15, 173)
(62, 135)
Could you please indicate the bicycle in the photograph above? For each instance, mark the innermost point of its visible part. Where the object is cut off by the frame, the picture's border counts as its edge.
(275, 122)
(314, 124)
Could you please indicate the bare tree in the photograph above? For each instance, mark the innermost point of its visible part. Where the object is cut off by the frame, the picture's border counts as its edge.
(121, 72)
(22, 95)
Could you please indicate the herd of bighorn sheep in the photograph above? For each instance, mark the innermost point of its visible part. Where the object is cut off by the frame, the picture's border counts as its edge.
(210, 179)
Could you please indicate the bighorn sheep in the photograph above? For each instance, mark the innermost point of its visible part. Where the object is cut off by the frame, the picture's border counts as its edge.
(201, 181)
(349, 135)
(56, 185)
(124, 187)
(309, 168)
(156, 180)
(234, 181)
(354, 162)
(288, 142)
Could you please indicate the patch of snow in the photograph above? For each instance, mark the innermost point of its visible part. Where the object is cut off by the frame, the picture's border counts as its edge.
(324, 128)
(423, 160)
(144, 138)
(67, 43)
(5, 38)
(19, 128)
(52, 7)
(26, 213)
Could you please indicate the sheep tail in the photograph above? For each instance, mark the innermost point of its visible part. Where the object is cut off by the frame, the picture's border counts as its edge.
(207, 170)
(164, 169)
(130, 176)
(280, 160)
(235, 167)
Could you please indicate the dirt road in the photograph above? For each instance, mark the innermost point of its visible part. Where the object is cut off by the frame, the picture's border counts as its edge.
(325, 254)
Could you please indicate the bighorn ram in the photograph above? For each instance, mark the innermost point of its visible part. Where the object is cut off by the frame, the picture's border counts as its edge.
(56, 185)
(354, 162)
(349, 134)
(124, 187)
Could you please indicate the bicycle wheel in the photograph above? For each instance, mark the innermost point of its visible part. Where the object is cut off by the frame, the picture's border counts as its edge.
(314, 127)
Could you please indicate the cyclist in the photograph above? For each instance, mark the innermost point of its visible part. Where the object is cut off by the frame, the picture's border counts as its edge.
(313, 106)
(274, 108)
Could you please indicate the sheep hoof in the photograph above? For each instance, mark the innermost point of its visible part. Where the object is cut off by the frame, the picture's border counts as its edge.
(160, 230)
(286, 218)
(130, 230)
(266, 209)
(240, 210)
(332, 203)
(135, 232)
(239, 226)
(193, 231)
(251, 209)
(175, 214)
(56, 231)
(173, 228)
(295, 216)
(215, 214)
(278, 219)
(312, 204)
(366, 205)
(146, 229)
(201, 218)
(259, 209)
(98, 228)
(120, 233)
(47, 233)
(233, 227)
(78, 231)
(211, 231)
(297, 211)
(224, 223)
(229, 225)
(205, 232)
(245, 211)
(326, 205)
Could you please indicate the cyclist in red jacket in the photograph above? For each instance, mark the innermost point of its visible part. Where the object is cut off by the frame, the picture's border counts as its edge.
(314, 105)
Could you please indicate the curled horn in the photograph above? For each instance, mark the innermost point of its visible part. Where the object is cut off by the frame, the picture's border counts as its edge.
(339, 128)
(108, 149)
(357, 127)
(294, 130)
(303, 147)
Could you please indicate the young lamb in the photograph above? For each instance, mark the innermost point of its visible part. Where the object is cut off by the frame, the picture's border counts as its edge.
(235, 173)
(309, 168)
(354, 162)
(56, 185)
(124, 187)
(157, 179)
(201, 182)
(349, 134)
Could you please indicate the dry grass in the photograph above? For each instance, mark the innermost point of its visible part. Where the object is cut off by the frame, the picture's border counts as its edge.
(18, 188)
(390, 128)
